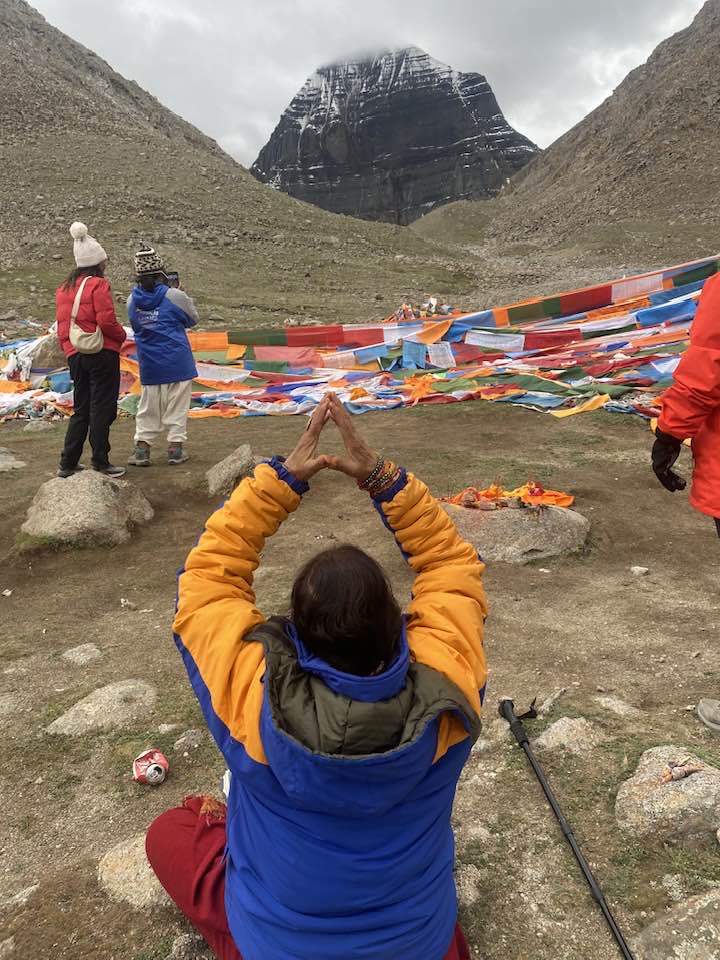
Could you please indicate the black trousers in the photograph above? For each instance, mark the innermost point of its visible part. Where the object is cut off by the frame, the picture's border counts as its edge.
(717, 524)
(96, 382)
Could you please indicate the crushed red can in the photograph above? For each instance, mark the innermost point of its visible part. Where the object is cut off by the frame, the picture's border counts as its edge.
(150, 767)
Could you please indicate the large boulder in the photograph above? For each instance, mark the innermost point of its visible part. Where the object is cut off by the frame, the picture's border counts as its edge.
(115, 705)
(646, 806)
(126, 876)
(87, 509)
(227, 474)
(48, 354)
(519, 536)
(690, 931)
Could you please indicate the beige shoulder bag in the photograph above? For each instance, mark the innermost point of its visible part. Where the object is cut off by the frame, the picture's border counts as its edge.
(82, 341)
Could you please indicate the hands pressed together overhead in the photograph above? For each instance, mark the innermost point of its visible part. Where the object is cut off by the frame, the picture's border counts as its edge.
(357, 462)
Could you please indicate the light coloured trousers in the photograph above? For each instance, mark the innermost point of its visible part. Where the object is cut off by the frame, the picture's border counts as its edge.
(163, 406)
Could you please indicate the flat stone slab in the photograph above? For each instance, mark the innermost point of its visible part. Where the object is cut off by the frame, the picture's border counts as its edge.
(619, 707)
(226, 475)
(690, 931)
(647, 807)
(520, 536)
(574, 734)
(85, 653)
(39, 426)
(85, 510)
(8, 461)
(108, 707)
(126, 876)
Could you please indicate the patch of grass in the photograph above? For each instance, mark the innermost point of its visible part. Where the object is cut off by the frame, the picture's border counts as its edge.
(624, 870)
(26, 825)
(28, 544)
(697, 863)
(159, 951)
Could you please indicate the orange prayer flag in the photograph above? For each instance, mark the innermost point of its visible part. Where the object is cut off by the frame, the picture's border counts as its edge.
(433, 332)
(208, 341)
(15, 386)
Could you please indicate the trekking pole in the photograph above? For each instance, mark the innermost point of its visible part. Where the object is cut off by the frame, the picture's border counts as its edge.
(507, 712)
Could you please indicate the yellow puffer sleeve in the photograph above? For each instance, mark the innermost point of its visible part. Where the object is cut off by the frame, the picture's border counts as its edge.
(216, 607)
(447, 614)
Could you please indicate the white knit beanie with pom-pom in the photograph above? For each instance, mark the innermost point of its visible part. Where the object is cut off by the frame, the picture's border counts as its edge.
(88, 252)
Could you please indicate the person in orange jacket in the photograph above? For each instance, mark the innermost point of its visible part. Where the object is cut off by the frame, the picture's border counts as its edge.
(691, 410)
(345, 726)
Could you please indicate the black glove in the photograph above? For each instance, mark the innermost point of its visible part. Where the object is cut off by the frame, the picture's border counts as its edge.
(665, 452)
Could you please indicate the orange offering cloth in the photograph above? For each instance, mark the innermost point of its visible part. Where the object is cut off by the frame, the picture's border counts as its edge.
(532, 494)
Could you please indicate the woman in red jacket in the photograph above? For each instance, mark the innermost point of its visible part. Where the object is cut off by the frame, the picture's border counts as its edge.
(691, 409)
(96, 376)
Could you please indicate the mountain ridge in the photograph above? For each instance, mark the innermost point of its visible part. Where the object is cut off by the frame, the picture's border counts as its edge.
(79, 141)
(649, 151)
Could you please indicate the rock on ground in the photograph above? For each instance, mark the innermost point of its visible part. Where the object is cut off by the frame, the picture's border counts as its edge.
(8, 461)
(619, 708)
(647, 807)
(126, 876)
(190, 946)
(519, 536)
(108, 707)
(226, 475)
(190, 740)
(84, 510)
(9, 703)
(7, 948)
(574, 734)
(20, 898)
(83, 654)
(690, 931)
(38, 426)
(468, 881)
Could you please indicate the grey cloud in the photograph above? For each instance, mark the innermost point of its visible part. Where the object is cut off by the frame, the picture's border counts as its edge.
(231, 67)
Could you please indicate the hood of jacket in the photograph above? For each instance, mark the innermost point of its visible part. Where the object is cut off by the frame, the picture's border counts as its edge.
(350, 744)
(149, 300)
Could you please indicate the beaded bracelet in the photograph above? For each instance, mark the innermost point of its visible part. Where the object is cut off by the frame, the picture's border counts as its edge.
(373, 475)
(386, 480)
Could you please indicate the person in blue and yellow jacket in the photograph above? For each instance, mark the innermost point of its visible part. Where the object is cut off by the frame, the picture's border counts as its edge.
(345, 727)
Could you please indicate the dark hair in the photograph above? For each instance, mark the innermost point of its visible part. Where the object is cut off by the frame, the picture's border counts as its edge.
(148, 281)
(97, 271)
(345, 612)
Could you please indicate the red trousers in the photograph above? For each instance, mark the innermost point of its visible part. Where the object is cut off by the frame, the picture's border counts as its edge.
(185, 847)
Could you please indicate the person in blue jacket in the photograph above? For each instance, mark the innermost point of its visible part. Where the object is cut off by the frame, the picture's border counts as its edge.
(345, 726)
(160, 316)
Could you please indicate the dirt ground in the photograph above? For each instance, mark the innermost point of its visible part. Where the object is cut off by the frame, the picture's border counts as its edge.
(582, 623)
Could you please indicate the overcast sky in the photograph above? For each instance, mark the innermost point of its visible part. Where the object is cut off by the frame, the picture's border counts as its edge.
(232, 66)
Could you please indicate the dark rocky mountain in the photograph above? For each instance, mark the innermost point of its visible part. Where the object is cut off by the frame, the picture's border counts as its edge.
(391, 137)
(79, 141)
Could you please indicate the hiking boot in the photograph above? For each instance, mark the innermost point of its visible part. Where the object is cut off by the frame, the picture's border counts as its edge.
(65, 472)
(176, 454)
(111, 471)
(709, 713)
(141, 455)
